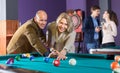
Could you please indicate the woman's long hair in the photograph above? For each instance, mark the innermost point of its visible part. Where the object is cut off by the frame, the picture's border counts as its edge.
(113, 16)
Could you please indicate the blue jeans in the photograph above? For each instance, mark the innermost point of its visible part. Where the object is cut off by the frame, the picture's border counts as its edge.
(93, 45)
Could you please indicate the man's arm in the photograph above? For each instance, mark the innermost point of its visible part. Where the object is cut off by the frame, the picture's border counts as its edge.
(34, 40)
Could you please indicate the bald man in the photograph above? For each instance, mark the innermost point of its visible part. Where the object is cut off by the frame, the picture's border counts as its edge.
(30, 37)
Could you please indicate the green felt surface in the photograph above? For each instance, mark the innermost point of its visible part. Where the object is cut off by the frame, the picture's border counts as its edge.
(86, 63)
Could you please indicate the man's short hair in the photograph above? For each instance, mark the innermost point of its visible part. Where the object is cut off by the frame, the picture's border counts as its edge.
(95, 7)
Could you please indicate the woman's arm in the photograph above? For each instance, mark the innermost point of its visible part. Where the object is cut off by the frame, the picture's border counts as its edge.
(70, 41)
(114, 29)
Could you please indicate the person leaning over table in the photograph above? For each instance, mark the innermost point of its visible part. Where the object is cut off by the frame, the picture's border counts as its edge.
(109, 29)
(30, 37)
(61, 36)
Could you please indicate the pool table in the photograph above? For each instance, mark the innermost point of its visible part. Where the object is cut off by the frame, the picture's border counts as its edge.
(108, 51)
(86, 63)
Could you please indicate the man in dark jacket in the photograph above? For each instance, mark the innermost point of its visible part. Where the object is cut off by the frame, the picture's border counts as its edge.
(30, 37)
(91, 29)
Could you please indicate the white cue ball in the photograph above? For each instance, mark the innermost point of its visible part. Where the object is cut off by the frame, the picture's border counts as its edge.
(72, 61)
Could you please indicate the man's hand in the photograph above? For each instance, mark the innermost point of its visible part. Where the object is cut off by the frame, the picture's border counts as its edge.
(53, 53)
(97, 29)
(60, 55)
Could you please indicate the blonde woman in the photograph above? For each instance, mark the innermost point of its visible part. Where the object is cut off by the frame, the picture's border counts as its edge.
(61, 36)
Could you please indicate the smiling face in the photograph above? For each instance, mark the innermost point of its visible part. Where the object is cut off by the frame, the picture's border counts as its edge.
(41, 19)
(96, 12)
(62, 25)
(105, 15)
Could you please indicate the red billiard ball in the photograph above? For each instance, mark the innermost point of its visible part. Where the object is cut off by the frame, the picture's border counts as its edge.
(56, 63)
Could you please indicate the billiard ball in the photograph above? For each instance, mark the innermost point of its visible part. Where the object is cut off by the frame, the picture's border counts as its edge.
(23, 56)
(72, 61)
(31, 58)
(28, 55)
(114, 65)
(46, 59)
(10, 61)
(56, 63)
(117, 58)
(17, 58)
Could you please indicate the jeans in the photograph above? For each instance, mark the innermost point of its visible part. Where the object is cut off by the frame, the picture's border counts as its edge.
(93, 45)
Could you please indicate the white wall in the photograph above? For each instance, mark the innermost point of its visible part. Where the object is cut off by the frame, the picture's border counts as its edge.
(104, 5)
(2, 9)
